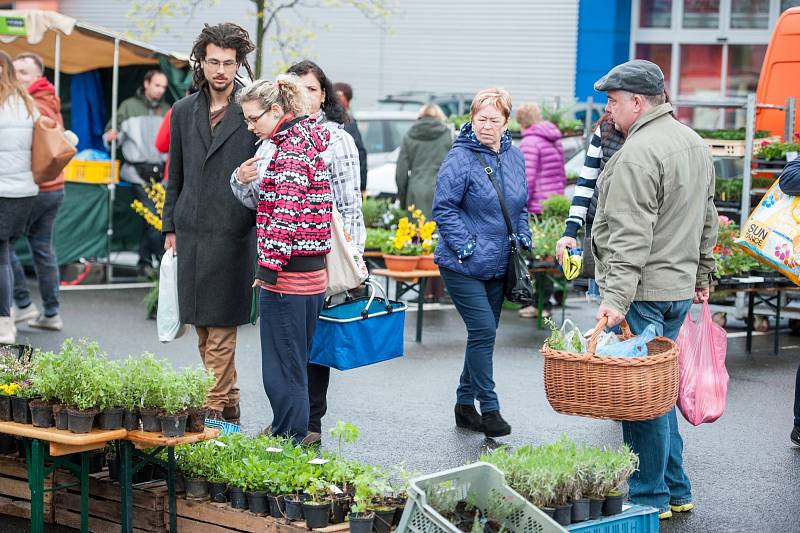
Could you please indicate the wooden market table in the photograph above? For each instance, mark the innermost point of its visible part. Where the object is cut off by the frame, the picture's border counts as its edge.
(135, 444)
(61, 443)
(413, 280)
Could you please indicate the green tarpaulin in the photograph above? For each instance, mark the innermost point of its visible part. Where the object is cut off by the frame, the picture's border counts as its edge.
(82, 224)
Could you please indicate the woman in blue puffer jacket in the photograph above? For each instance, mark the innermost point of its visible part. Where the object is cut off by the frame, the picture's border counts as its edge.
(474, 245)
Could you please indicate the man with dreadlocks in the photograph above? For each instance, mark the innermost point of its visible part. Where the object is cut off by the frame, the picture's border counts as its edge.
(204, 225)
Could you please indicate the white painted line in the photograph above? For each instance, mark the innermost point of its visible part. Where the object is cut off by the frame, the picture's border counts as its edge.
(107, 286)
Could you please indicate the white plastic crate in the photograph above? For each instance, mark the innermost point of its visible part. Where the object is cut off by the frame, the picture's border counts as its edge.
(481, 481)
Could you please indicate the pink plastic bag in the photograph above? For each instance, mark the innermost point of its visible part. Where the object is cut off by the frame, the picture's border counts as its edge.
(703, 386)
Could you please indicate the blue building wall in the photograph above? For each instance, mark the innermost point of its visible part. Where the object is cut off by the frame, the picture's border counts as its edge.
(604, 34)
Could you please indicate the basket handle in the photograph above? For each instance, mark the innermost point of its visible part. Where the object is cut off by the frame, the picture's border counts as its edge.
(600, 327)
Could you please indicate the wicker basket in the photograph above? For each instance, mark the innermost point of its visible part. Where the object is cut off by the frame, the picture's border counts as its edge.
(616, 388)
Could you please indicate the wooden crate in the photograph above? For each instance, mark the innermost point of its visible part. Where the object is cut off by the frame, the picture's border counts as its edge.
(105, 512)
(15, 494)
(728, 148)
(209, 517)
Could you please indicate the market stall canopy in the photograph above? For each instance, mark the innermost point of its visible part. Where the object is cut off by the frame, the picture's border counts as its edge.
(84, 46)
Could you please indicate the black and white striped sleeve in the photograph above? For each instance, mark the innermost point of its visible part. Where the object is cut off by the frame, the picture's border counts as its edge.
(584, 189)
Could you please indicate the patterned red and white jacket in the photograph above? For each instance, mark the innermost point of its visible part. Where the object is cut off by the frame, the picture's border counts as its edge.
(293, 216)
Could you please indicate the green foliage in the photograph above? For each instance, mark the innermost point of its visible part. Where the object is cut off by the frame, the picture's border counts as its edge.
(344, 432)
(545, 233)
(730, 259)
(776, 151)
(376, 238)
(199, 382)
(730, 134)
(728, 190)
(151, 299)
(557, 206)
(381, 213)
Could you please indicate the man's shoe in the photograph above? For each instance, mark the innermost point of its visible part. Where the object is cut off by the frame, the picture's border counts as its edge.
(8, 330)
(683, 508)
(53, 323)
(468, 417)
(21, 314)
(267, 431)
(666, 515)
(312, 439)
(493, 425)
(215, 414)
(232, 413)
(795, 436)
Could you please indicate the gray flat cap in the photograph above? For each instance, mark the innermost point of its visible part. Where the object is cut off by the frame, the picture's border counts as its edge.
(637, 76)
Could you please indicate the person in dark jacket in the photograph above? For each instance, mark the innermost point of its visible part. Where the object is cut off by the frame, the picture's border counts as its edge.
(422, 151)
(345, 93)
(789, 182)
(474, 246)
(204, 224)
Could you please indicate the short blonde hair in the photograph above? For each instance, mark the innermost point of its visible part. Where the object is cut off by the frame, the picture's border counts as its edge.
(496, 96)
(433, 111)
(528, 115)
(286, 91)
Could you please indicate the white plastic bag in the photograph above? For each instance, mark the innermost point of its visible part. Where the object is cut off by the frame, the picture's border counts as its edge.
(168, 318)
(607, 338)
(574, 341)
(345, 266)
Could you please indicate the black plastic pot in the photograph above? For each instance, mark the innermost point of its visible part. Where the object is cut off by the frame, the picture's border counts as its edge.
(196, 488)
(81, 421)
(596, 508)
(563, 514)
(23, 445)
(361, 523)
(398, 514)
(173, 425)
(293, 507)
(144, 474)
(150, 421)
(257, 502)
(20, 410)
(316, 514)
(61, 417)
(237, 498)
(130, 419)
(219, 492)
(6, 414)
(111, 418)
(613, 504)
(196, 421)
(383, 520)
(340, 508)
(97, 460)
(549, 511)
(580, 510)
(276, 506)
(8, 444)
(180, 483)
(113, 466)
(42, 415)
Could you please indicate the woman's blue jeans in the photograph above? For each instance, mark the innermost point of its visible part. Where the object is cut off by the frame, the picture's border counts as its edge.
(660, 480)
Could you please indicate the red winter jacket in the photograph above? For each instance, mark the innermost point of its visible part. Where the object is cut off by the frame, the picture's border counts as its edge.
(162, 140)
(293, 216)
(544, 163)
(49, 105)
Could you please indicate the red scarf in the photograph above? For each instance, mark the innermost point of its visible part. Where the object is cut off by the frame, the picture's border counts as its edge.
(284, 119)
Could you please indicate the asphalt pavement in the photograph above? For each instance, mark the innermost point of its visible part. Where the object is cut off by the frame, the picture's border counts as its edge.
(744, 470)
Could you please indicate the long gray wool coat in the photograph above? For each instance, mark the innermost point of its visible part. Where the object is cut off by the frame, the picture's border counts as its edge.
(215, 234)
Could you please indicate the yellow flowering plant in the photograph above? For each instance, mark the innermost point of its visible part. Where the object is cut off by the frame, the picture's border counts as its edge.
(412, 238)
(9, 389)
(156, 193)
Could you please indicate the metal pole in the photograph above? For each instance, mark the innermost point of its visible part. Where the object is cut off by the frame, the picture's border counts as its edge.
(112, 185)
(748, 158)
(587, 121)
(57, 65)
(789, 124)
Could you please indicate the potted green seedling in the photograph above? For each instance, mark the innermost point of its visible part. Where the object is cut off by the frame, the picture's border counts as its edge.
(293, 503)
(111, 398)
(384, 512)
(318, 506)
(361, 519)
(174, 399)
(130, 394)
(254, 484)
(150, 373)
(201, 381)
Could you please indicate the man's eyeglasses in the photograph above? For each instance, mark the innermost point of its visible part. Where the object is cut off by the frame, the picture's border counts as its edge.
(215, 63)
(253, 121)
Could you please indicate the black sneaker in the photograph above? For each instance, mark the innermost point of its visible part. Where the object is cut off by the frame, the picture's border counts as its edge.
(493, 425)
(468, 417)
(795, 436)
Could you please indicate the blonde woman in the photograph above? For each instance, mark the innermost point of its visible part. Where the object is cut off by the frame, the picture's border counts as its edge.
(293, 214)
(17, 188)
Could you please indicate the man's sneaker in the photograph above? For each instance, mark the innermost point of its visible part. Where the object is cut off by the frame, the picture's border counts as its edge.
(795, 436)
(666, 515)
(52, 323)
(683, 508)
(21, 314)
(312, 439)
(8, 330)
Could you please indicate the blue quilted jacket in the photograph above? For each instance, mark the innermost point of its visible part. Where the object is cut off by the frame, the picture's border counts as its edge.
(473, 239)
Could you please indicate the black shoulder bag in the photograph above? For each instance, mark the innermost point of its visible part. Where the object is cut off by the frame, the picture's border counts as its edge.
(518, 288)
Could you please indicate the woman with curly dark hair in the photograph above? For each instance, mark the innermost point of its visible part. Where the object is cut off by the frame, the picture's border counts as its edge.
(216, 234)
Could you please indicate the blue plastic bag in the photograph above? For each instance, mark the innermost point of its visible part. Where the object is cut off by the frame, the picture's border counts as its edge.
(635, 347)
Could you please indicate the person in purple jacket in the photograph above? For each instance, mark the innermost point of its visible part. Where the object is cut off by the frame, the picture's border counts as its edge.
(789, 182)
(544, 170)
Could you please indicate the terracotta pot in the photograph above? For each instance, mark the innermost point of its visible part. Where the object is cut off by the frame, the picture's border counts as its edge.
(426, 263)
(401, 263)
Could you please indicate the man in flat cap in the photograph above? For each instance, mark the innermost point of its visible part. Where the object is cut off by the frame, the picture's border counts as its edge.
(652, 239)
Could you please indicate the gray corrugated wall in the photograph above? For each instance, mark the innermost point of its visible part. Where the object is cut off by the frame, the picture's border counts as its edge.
(526, 46)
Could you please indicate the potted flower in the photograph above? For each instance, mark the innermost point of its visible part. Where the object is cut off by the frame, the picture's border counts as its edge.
(426, 235)
(402, 251)
(21, 401)
(200, 381)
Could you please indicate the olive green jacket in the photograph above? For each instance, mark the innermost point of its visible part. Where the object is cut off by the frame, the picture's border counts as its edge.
(656, 224)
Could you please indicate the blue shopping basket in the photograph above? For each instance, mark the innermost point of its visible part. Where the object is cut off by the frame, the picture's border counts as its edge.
(359, 332)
